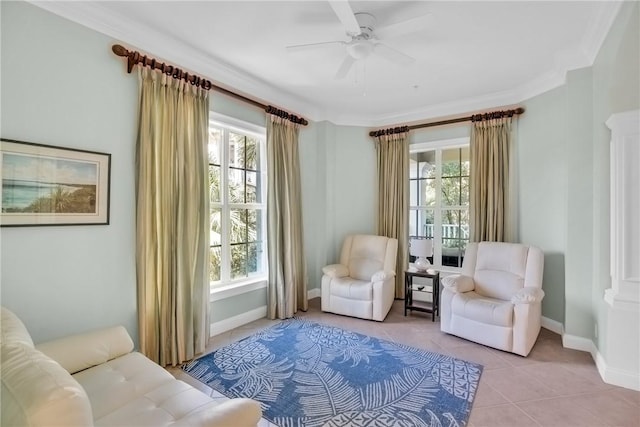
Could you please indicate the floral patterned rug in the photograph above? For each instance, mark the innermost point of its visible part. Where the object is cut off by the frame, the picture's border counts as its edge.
(308, 374)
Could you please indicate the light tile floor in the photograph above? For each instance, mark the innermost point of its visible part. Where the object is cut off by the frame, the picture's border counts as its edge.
(553, 386)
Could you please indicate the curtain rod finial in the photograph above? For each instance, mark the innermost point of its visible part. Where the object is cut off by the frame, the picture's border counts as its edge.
(119, 50)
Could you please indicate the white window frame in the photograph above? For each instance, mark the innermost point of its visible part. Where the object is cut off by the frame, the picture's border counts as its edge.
(437, 214)
(228, 287)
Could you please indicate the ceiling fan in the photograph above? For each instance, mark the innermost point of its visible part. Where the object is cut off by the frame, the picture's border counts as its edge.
(365, 37)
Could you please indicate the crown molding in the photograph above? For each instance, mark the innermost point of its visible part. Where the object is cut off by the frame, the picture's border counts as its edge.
(141, 37)
(599, 28)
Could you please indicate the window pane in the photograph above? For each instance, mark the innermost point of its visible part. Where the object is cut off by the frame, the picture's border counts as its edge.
(215, 255)
(453, 252)
(252, 182)
(464, 158)
(464, 191)
(215, 140)
(451, 162)
(238, 229)
(250, 154)
(428, 192)
(413, 192)
(236, 149)
(421, 222)
(451, 191)
(238, 261)
(215, 233)
(236, 186)
(413, 166)
(214, 184)
(253, 257)
(450, 224)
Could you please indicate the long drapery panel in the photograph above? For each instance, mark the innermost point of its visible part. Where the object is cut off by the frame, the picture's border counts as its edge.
(393, 196)
(287, 288)
(172, 218)
(489, 199)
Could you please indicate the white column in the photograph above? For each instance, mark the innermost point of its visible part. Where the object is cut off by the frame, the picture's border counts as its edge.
(623, 298)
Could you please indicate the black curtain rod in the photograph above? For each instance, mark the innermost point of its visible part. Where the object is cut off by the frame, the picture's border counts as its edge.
(134, 57)
(472, 118)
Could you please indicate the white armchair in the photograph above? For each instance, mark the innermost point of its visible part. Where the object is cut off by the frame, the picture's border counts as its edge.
(363, 283)
(497, 300)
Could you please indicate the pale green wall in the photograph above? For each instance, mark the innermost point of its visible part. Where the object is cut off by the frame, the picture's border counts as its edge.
(61, 85)
(542, 190)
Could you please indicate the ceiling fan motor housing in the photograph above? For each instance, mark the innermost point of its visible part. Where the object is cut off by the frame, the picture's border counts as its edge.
(366, 21)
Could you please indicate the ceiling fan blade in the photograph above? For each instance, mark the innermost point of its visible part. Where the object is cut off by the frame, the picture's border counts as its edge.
(403, 28)
(345, 15)
(345, 67)
(392, 54)
(300, 47)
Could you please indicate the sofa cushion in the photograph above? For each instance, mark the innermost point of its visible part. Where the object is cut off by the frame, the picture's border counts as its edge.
(82, 351)
(36, 391)
(114, 384)
(472, 305)
(13, 330)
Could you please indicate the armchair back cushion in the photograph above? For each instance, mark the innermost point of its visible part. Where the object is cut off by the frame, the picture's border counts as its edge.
(365, 255)
(500, 269)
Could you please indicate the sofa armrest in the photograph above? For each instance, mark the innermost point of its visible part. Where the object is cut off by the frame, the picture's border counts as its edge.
(381, 276)
(336, 270)
(458, 283)
(78, 352)
(528, 295)
(238, 412)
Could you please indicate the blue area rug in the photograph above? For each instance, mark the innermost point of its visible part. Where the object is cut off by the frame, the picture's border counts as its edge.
(309, 374)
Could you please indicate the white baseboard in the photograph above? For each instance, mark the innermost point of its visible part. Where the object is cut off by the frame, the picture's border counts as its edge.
(225, 325)
(578, 343)
(615, 376)
(609, 375)
(552, 325)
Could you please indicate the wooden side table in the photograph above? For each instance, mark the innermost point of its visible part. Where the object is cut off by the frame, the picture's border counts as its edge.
(432, 307)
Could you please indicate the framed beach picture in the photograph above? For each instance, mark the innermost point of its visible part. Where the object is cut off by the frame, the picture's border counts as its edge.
(45, 185)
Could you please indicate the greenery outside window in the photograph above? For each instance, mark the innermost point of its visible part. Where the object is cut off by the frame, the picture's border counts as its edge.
(237, 181)
(439, 198)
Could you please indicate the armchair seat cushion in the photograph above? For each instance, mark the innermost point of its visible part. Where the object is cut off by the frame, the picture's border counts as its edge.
(472, 305)
(347, 287)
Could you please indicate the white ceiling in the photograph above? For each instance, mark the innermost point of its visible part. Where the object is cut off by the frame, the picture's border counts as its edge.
(470, 55)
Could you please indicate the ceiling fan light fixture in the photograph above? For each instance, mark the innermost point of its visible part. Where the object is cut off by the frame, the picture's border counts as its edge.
(359, 49)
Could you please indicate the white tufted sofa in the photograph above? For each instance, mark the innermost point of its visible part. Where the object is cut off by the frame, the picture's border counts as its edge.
(363, 283)
(497, 300)
(96, 379)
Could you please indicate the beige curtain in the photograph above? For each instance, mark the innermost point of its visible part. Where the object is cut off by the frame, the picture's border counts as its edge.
(287, 289)
(393, 197)
(172, 218)
(489, 187)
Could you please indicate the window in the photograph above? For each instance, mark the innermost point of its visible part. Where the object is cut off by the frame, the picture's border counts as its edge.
(237, 179)
(439, 198)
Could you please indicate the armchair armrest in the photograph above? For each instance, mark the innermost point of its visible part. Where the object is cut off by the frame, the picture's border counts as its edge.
(458, 283)
(336, 270)
(78, 352)
(382, 275)
(528, 295)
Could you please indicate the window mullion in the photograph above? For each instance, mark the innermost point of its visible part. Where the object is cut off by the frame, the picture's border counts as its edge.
(225, 271)
(437, 214)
